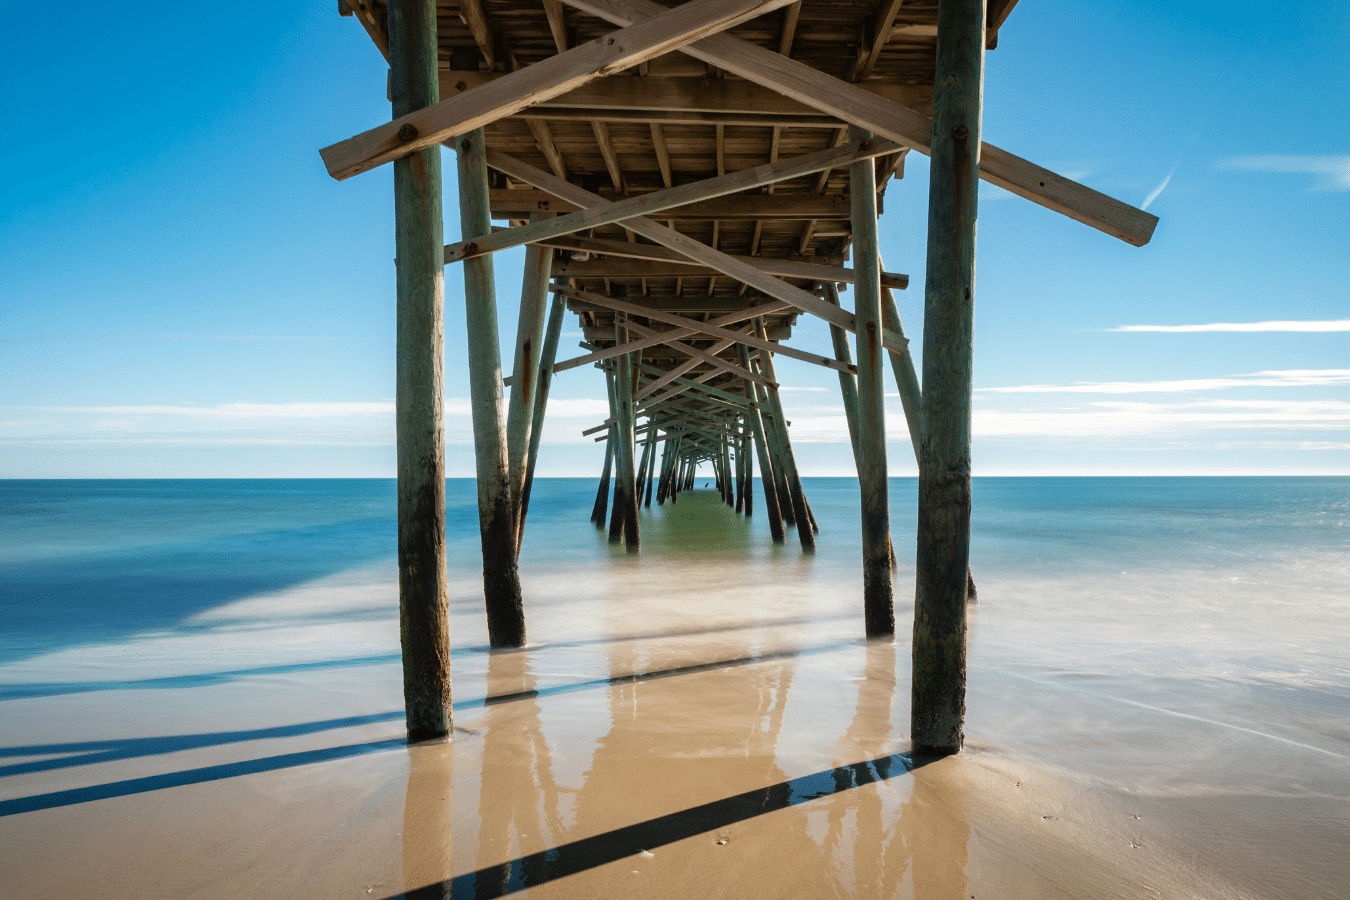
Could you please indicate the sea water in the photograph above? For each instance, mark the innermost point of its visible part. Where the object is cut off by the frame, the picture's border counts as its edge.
(1183, 638)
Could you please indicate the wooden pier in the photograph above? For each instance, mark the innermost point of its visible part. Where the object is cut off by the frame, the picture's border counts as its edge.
(688, 181)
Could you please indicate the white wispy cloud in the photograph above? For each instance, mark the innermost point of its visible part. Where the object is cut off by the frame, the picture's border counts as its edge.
(1157, 191)
(1106, 420)
(1284, 378)
(1307, 326)
(1332, 171)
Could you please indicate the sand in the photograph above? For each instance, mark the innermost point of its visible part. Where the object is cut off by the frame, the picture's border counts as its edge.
(779, 769)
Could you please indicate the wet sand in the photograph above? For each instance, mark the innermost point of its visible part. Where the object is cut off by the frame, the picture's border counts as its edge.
(680, 729)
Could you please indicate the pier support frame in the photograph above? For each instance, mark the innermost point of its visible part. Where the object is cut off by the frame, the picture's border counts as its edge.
(939, 648)
(420, 275)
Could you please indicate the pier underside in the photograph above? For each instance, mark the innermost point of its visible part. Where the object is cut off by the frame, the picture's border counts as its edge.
(688, 183)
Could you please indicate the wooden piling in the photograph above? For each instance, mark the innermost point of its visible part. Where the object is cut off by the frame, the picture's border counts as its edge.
(848, 384)
(496, 509)
(749, 477)
(524, 381)
(547, 355)
(806, 532)
(420, 290)
(878, 601)
(602, 493)
(756, 423)
(939, 647)
(651, 473)
(625, 497)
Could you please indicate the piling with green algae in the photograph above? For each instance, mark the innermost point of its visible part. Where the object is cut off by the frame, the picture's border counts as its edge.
(420, 291)
(878, 601)
(942, 561)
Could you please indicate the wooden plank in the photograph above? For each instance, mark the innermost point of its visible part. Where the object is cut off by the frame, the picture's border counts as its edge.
(704, 328)
(513, 203)
(607, 212)
(640, 267)
(704, 99)
(830, 95)
(419, 417)
(747, 274)
(461, 113)
(937, 711)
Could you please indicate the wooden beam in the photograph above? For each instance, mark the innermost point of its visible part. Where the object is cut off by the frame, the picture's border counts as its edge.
(747, 274)
(601, 355)
(557, 23)
(704, 328)
(789, 32)
(662, 155)
(881, 33)
(636, 268)
(710, 358)
(514, 203)
(606, 212)
(458, 114)
(608, 154)
(732, 101)
(814, 88)
(471, 12)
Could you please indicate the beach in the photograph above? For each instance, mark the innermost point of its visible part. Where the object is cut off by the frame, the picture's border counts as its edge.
(200, 696)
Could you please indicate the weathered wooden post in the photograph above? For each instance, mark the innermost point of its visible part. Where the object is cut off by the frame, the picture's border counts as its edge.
(599, 511)
(749, 462)
(420, 288)
(756, 423)
(848, 383)
(651, 469)
(547, 355)
(878, 602)
(624, 514)
(641, 470)
(939, 683)
(805, 528)
(524, 382)
(496, 507)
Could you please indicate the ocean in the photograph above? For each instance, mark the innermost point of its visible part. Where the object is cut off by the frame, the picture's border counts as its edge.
(1180, 643)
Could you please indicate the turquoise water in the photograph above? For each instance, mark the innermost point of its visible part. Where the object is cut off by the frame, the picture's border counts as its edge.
(95, 561)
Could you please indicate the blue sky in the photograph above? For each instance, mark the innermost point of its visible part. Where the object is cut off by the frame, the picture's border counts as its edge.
(184, 292)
